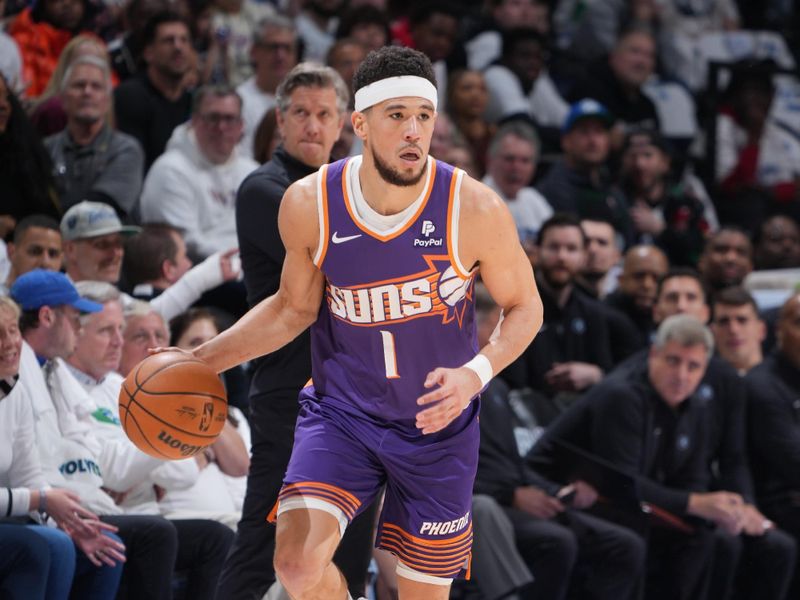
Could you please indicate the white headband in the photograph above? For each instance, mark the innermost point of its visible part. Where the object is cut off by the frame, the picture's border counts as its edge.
(395, 87)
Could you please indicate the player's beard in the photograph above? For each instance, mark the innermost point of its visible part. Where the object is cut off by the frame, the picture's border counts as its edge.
(392, 176)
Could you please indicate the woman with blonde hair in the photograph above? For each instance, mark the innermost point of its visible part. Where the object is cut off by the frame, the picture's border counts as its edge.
(48, 114)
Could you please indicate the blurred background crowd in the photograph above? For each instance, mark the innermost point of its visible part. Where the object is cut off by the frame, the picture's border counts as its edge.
(649, 153)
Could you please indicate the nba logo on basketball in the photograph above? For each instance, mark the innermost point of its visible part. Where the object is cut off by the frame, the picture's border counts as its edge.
(205, 420)
(428, 228)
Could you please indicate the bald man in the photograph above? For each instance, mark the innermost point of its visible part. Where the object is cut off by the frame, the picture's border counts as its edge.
(642, 268)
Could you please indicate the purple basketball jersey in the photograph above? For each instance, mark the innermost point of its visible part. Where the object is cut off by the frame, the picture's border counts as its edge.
(397, 304)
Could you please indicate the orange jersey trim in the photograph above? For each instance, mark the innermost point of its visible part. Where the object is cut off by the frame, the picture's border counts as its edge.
(424, 542)
(411, 221)
(324, 234)
(451, 251)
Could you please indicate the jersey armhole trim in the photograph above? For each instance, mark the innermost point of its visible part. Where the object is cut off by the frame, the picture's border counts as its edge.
(322, 215)
(453, 215)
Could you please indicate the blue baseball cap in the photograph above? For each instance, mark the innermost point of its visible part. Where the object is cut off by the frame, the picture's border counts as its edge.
(39, 288)
(586, 109)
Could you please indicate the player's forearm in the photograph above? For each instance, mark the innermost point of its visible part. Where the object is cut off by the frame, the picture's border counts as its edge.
(266, 327)
(514, 333)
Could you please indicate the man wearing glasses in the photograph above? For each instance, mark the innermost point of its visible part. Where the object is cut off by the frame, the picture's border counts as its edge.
(200, 173)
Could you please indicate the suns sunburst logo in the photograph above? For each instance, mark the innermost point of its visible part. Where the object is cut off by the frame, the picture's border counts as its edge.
(436, 291)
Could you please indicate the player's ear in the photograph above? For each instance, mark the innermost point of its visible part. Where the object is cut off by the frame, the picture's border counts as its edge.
(359, 121)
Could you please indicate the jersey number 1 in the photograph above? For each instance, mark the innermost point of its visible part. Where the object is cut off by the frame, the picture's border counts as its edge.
(389, 355)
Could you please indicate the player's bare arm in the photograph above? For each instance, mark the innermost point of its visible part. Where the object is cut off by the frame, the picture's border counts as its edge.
(277, 320)
(488, 240)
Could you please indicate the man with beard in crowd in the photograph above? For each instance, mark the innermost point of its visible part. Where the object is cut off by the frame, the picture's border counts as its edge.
(151, 104)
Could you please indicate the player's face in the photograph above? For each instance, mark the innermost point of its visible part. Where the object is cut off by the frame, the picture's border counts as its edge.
(562, 255)
(99, 347)
(681, 296)
(640, 274)
(38, 248)
(311, 125)
(95, 259)
(738, 333)
(676, 370)
(199, 332)
(397, 133)
(10, 343)
(141, 333)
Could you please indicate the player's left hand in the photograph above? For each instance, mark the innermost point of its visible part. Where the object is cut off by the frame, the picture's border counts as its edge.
(456, 388)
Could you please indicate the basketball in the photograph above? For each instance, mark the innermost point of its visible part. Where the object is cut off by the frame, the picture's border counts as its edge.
(452, 288)
(172, 406)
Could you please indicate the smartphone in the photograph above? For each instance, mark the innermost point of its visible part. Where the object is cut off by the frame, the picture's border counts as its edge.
(566, 495)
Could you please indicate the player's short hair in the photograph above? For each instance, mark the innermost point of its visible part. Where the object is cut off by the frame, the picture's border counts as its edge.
(392, 61)
(683, 272)
(42, 221)
(735, 295)
(561, 220)
(313, 75)
(686, 330)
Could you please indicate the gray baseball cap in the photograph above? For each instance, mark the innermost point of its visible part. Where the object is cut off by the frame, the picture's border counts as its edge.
(91, 219)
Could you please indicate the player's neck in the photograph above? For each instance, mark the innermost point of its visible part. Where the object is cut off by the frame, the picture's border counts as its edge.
(383, 197)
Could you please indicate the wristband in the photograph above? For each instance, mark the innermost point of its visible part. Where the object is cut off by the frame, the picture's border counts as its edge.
(42, 501)
(482, 368)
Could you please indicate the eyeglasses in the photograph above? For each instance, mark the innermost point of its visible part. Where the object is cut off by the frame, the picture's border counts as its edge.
(217, 119)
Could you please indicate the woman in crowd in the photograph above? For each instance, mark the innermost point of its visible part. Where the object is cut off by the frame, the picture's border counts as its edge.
(92, 574)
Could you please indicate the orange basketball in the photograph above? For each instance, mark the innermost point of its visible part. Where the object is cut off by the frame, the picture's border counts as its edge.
(172, 406)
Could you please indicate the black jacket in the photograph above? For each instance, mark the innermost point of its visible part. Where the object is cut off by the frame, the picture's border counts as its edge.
(501, 469)
(624, 421)
(577, 332)
(262, 253)
(773, 389)
(723, 388)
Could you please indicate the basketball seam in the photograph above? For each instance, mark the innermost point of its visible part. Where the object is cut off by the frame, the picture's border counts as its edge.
(143, 435)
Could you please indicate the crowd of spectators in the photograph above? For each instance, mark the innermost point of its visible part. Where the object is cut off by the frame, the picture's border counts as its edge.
(649, 154)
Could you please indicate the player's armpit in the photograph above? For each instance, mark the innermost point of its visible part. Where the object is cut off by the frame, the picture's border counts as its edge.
(488, 238)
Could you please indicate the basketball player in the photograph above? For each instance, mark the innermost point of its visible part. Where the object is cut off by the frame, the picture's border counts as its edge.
(382, 251)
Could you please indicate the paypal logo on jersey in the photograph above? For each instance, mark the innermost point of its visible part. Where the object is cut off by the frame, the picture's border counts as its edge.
(428, 228)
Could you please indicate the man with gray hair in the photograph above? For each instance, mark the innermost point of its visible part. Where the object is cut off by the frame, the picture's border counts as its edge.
(92, 161)
(651, 424)
(311, 105)
(274, 53)
(193, 185)
(511, 165)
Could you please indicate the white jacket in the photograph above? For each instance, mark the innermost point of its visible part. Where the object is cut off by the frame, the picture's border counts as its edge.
(138, 471)
(184, 189)
(71, 462)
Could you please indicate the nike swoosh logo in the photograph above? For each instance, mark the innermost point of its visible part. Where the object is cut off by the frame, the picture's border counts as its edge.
(341, 240)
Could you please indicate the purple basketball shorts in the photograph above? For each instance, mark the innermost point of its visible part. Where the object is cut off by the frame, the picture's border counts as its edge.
(344, 459)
